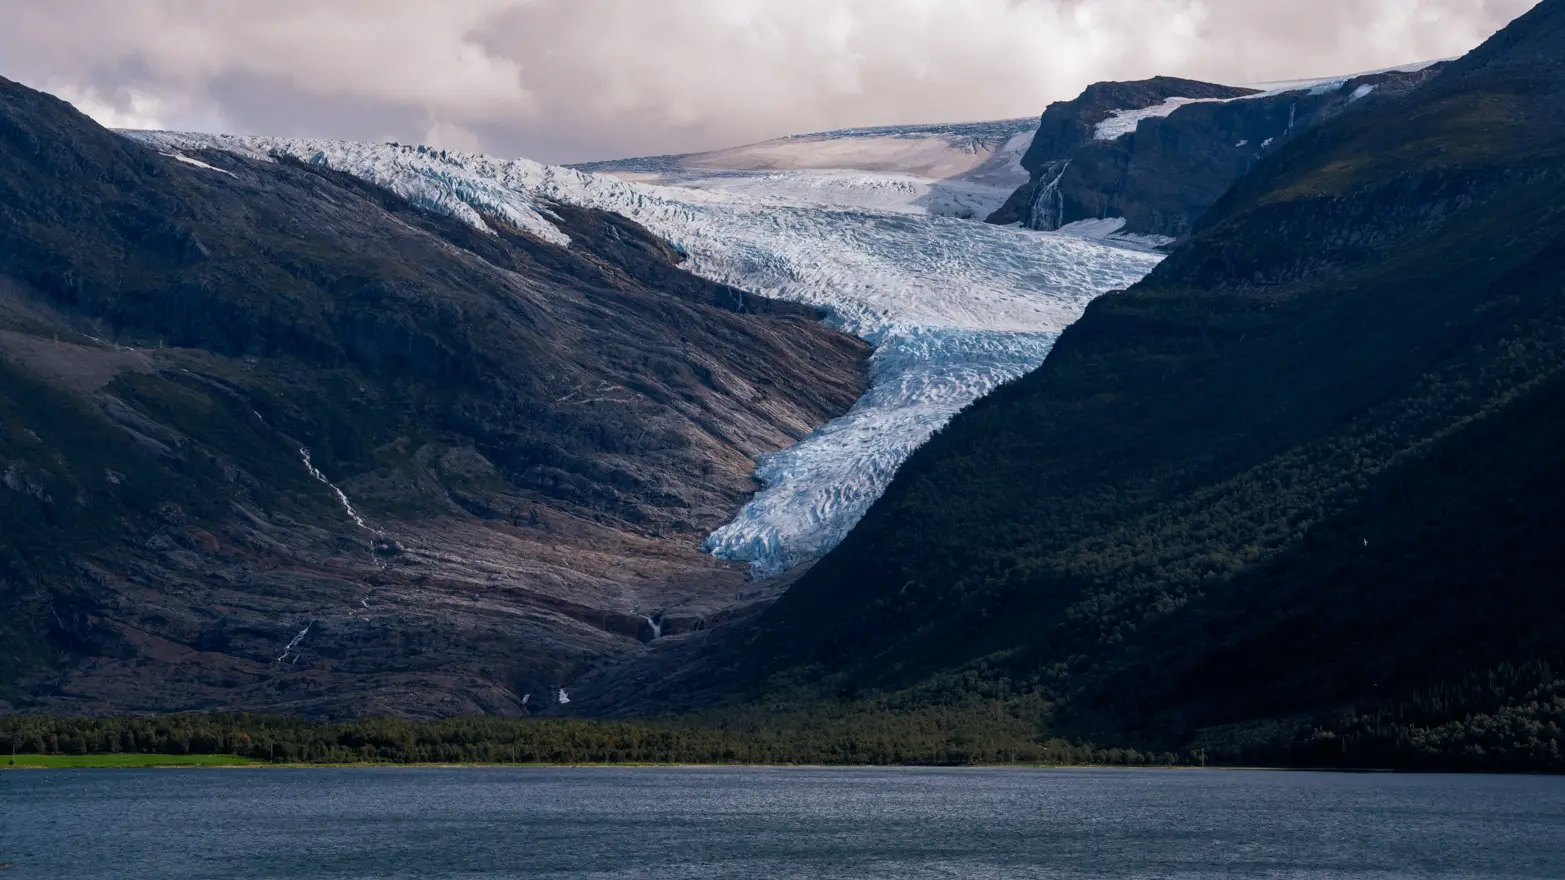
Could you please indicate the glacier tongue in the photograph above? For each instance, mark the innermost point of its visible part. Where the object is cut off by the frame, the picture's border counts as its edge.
(953, 308)
(814, 493)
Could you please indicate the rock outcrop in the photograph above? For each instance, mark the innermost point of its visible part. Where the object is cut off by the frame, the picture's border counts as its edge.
(1158, 153)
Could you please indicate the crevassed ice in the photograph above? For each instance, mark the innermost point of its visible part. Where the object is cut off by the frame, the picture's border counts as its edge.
(815, 492)
(953, 308)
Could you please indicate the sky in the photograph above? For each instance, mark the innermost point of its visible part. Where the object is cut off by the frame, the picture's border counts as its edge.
(580, 80)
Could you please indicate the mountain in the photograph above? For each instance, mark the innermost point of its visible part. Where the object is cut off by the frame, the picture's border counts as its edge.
(1293, 498)
(1152, 156)
(362, 428)
(274, 438)
(953, 308)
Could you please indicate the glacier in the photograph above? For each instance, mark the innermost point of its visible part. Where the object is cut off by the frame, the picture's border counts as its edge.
(953, 308)
(964, 170)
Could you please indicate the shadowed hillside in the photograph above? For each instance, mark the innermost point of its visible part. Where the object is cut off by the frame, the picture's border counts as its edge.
(1291, 498)
(530, 441)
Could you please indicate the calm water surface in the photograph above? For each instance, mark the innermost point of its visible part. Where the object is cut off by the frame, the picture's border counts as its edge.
(702, 823)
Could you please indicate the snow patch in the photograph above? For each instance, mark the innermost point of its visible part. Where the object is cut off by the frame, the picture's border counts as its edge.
(432, 179)
(1111, 229)
(1124, 122)
(197, 163)
(1322, 85)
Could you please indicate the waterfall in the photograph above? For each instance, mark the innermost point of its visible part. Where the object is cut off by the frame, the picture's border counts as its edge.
(347, 505)
(378, 537)
(294, 644)
(654, 627)
(1047, 211)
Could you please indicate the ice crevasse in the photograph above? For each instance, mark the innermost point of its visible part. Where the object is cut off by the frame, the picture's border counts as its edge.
(954, 308)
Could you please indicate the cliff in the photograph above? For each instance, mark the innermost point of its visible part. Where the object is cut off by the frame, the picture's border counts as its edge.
(1158, 153)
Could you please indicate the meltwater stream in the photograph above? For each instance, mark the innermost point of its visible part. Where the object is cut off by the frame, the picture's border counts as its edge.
(953, 307)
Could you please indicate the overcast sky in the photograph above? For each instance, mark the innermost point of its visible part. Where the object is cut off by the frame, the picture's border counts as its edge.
(575, 80)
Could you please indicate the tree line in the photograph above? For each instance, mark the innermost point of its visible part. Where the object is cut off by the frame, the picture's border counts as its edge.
(934, 740)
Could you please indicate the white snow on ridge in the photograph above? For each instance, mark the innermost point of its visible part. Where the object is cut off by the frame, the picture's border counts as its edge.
(1322, 85)
(196, 163)
(464, 187)
(953, 308)
(1124, 122)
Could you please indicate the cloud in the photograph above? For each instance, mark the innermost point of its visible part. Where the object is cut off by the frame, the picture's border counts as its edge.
(580, 79)
(131, 108)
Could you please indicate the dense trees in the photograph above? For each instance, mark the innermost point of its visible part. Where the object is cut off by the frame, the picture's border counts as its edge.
(828, 735)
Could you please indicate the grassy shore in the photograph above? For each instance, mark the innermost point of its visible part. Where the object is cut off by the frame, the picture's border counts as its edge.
(37, 762)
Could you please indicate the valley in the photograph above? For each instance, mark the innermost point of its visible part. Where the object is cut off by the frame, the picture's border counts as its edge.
(953, 308)
(411, 553)
(1187, 418)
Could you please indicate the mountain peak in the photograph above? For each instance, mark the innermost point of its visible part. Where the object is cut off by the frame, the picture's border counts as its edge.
(1536, 39)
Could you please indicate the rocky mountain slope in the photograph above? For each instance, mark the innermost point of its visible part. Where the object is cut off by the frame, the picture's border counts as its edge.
(277, 439)
(1154, 155)
(1294, 497)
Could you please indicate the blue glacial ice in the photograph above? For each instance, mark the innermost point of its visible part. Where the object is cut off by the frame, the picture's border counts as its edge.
(954, 308)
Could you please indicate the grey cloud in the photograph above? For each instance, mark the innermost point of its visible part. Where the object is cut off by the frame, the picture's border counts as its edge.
(562, 80)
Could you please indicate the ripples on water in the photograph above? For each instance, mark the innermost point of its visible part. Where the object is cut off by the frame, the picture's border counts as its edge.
(699, 823)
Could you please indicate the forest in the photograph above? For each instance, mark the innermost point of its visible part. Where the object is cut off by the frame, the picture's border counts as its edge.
(1510, 719)
(831, 736)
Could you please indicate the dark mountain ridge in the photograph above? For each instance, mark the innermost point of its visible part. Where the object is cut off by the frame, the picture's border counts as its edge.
(533, 439)
(1290, 498)
(1165, 173)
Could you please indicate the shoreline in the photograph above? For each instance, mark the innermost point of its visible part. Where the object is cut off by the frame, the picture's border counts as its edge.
(233, 762)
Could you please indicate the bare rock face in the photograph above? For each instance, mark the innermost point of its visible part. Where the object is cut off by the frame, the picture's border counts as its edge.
(1167, 170)
(1071, 126)
(274, 439)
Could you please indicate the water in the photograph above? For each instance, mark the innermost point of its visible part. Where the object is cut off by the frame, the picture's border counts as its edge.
(702, 823)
